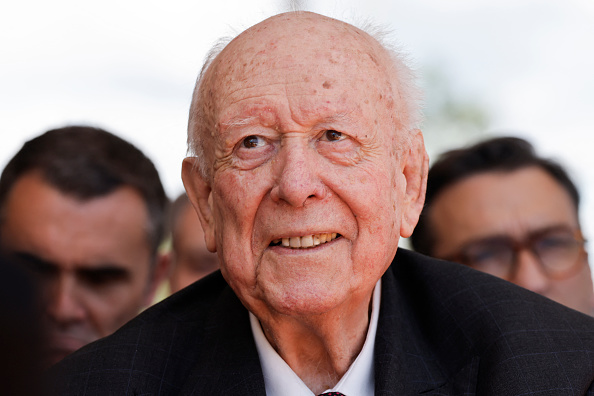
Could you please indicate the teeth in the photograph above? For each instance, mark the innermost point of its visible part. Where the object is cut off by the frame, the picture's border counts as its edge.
(306, 241)
(316, 240)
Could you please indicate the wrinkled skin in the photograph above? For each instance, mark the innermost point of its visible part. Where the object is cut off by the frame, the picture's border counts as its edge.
(512, 204)
(306, 142)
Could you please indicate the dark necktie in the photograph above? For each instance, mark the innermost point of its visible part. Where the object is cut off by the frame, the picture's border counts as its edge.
(331, 394)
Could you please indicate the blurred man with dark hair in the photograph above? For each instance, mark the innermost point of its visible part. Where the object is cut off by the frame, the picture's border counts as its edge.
(189, 258)
(86, 210)
(500, 208)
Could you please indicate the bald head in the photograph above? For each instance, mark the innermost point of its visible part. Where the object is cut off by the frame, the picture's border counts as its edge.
(297, 47)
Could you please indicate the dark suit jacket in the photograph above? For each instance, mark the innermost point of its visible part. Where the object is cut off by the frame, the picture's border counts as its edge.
(444, 329)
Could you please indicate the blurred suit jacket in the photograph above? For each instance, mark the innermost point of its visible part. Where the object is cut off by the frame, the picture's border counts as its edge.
(444, 329)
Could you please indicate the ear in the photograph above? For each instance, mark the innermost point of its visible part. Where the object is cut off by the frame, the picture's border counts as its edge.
(200, 195)
(415, 169)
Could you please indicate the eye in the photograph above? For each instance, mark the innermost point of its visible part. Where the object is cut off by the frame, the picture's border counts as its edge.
(252, 141)
(333, 136)
(103, 277)
(251, 151)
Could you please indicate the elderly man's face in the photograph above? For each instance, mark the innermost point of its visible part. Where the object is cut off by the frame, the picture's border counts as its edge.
(308, 192)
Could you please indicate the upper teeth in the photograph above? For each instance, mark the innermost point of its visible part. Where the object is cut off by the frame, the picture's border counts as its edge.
(306, 241)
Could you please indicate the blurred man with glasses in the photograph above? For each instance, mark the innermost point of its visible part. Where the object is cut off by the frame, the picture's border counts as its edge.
(499, 208)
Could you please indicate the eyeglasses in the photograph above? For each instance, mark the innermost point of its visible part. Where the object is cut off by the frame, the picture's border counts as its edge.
(559, 252)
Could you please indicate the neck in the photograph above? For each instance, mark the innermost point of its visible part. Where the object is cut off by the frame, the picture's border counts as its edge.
(320, 348)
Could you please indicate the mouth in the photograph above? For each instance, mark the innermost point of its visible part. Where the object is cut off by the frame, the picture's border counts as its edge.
(305, 242)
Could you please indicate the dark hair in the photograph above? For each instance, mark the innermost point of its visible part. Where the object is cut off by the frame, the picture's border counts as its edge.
(86, 162)
(503, 154)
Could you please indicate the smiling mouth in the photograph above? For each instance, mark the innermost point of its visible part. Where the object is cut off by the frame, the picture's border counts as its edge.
(305, 242)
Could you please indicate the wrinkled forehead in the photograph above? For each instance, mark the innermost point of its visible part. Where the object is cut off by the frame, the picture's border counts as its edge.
(299, 47)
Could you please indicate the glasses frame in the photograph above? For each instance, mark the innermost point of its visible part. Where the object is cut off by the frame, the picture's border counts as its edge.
(527, 243)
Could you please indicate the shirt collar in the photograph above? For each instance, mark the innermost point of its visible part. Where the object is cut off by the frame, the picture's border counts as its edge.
(279, 379)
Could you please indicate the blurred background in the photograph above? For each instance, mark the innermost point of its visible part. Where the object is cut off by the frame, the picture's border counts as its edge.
(522, 67)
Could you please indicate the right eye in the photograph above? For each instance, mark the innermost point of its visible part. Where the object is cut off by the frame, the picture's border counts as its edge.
(333, 136)
(252, 141)
(252, 151)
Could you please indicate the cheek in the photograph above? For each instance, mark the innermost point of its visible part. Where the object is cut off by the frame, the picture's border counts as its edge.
(372, 194)
(377, 207)
(110, 311)
(239, 192)
(375, 224)
(233, 207)
(237, 198)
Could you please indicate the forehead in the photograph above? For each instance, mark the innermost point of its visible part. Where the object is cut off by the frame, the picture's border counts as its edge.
(40, 219)
(308, 60)
(510, 203)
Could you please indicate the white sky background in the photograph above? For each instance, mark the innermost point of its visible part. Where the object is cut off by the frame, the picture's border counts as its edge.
(129, 67)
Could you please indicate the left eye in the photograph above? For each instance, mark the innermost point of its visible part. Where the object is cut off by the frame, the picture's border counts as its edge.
(333, 136)
(252, 141)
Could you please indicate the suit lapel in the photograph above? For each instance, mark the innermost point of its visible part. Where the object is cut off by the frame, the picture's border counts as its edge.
(402, 363)
(406, 362)
(229, 363)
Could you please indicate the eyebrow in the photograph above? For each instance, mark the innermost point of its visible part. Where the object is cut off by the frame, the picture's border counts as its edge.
(35, 262)
(111, 270)
(239, 121)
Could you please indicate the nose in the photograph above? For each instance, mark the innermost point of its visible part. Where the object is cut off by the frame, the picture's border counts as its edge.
(529, 273)
(299, 177)
(64, 305)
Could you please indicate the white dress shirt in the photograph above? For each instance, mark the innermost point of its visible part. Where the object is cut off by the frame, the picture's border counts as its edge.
(280, 380)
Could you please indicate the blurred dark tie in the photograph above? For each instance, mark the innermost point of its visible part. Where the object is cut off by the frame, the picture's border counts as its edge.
(331, 394)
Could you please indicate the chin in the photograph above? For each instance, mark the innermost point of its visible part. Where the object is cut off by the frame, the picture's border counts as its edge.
(306, 301)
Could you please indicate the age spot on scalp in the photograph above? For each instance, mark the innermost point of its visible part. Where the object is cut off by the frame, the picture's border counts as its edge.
(327, 85)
